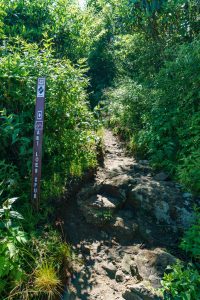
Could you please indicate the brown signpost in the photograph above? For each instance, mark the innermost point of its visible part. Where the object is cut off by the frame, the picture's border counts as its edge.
(37, 143)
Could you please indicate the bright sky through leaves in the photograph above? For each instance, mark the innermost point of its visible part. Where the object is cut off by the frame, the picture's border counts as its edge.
(82, 3)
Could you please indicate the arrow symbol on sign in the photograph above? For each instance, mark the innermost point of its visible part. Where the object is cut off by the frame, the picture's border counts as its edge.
(41, 90)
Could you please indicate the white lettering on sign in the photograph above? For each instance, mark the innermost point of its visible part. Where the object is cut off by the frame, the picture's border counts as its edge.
(38, 136)
(39, 115)
(41, 88)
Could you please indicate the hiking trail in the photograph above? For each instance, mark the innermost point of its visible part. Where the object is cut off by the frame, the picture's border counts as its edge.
(121, 223)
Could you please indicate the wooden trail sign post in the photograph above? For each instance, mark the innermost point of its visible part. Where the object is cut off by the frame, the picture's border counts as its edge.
(37, 143)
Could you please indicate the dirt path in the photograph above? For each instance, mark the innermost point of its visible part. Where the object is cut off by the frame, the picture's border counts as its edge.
(117, 223)
(116, 161)
(95, 280)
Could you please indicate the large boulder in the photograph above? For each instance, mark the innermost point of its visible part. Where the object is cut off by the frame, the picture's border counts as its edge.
(110, 269)
(160, 202)
(98, 203)
(123, 225)
(140, 292)
(159, 212)
(152, 264)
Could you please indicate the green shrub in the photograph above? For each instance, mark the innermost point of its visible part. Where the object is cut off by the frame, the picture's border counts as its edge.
(182, 283)
(12, 240)
(32, 264)
(159, 114)
(69, 28)
(191, 240)
(69, 134)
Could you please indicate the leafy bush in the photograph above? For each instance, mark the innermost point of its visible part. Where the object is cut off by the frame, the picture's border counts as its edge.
(154, 100)
(159, 114)
(69, 140)
(63, 22)
(12, 240)
(37, 39)
(191, 240)
(181, 283)
(31, 264)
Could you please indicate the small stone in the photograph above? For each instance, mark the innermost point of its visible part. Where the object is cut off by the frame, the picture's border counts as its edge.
(187, 195)
(85, 249)
(80, 256)
(128, 277)
(99, 259)
(114, 286)
(78, 246)
(143, 162)
(114, 242)
(110, 269)
(140, 292)
(81, 280)
(119, 276)
(178, 186)
(161, 176)
(134, 269)
(155, 281)
(126, 262)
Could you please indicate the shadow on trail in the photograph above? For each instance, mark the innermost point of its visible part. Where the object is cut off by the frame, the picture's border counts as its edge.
(148, 212)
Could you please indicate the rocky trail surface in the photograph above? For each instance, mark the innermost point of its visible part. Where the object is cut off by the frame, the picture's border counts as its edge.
(120, 223)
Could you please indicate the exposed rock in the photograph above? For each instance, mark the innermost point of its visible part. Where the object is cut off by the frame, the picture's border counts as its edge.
(161, 176)
(134, 270)
(140, 292)
(98, 203)
(119, 181)
(123, 227)
(85, 249)
(160, 202)
(187, 195)
(110, 269)
(155, 281)
(144, 162)
(119, 276)
(158, 214)
(126, 210)
(126, 264)
(96, 246)
(151, 264)
(186, 217)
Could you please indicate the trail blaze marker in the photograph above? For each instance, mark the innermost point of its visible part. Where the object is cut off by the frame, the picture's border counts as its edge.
(37, 143)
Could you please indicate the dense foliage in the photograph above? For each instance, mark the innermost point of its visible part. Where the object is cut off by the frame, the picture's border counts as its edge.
(40, 38)
(150, 70)
(138, 62)
(182, 281)
(60, 20)
(69, 141)
(154, 99)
